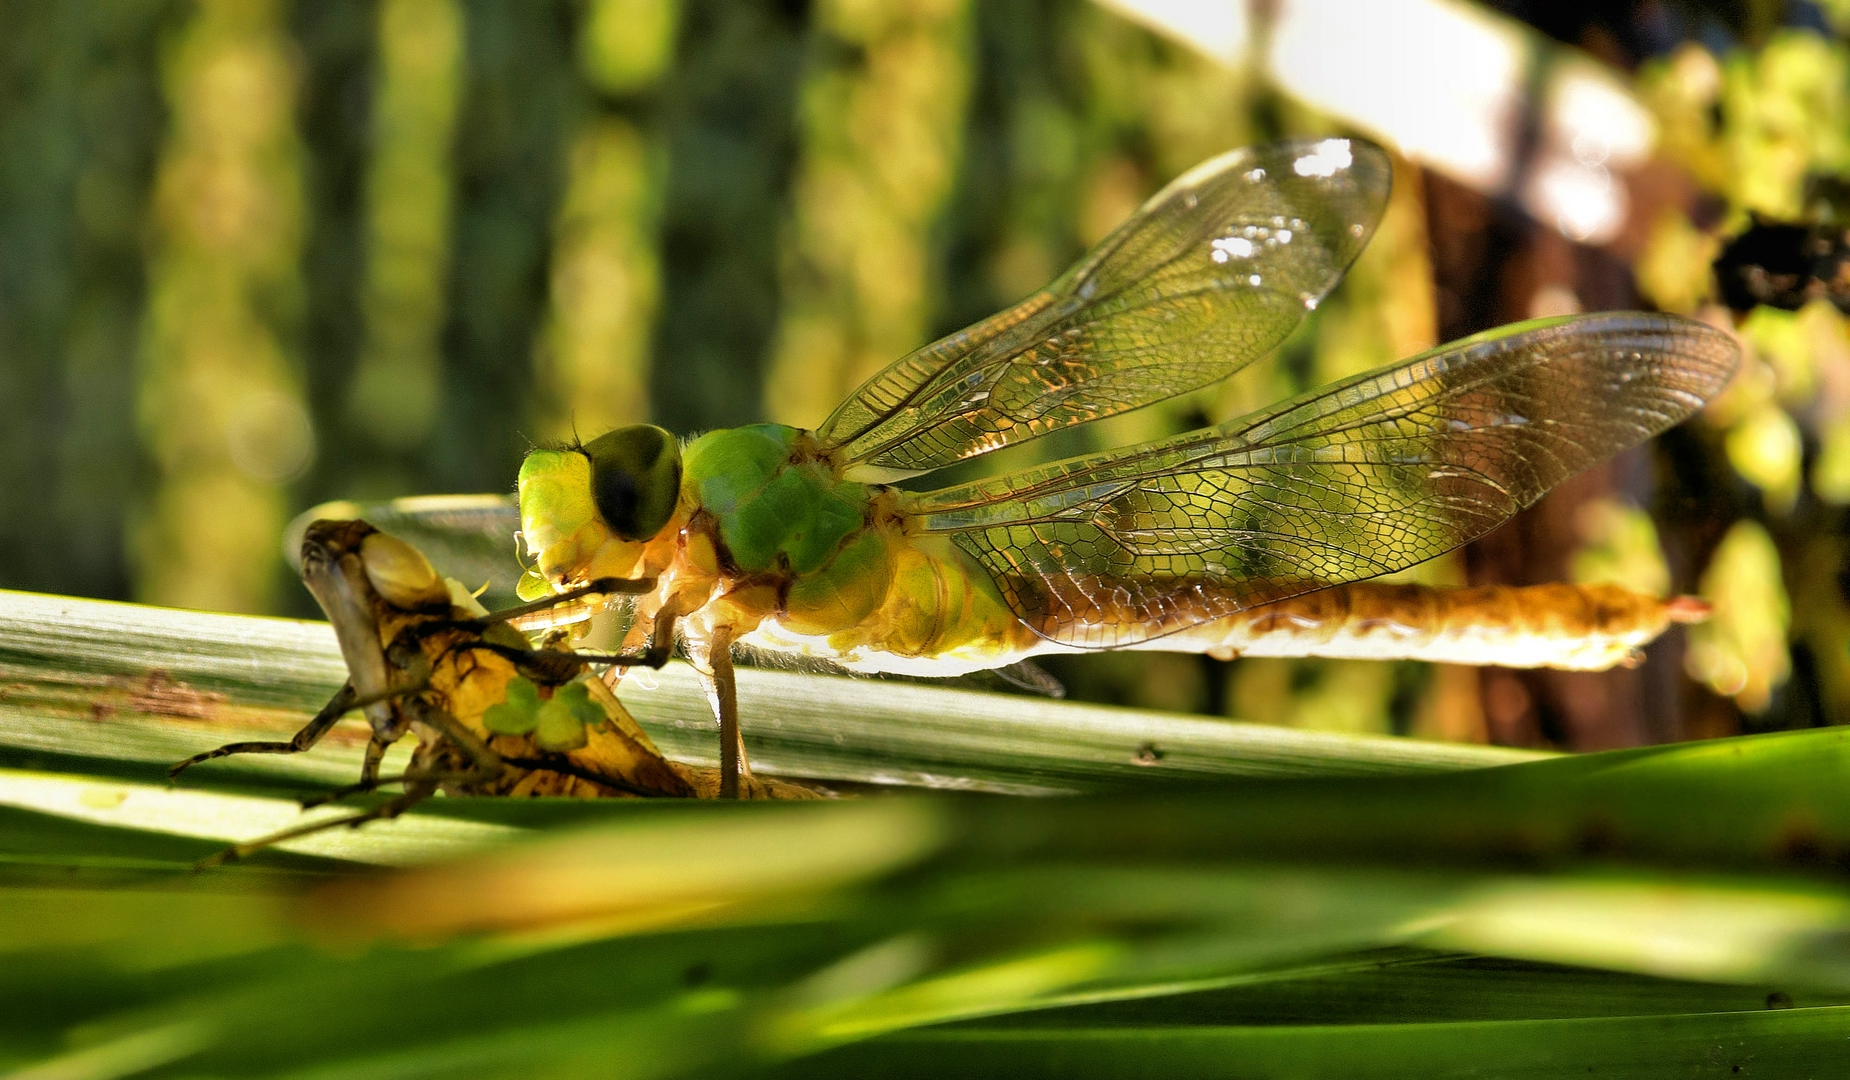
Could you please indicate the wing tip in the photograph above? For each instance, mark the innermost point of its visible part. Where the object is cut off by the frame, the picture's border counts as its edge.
(1715, 352)
(1358, 156)
(1687, 609)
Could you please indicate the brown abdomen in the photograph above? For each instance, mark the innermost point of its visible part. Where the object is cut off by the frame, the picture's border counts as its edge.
(1575, 627)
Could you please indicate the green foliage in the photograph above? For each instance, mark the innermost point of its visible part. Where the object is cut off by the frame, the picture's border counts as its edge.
(1210, 899)
(519, 713)
(1762, 129)
(1644, 913)
(80, 128)
(560, 723)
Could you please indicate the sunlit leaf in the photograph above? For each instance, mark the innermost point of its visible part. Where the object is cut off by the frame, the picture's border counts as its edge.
(1620, 546)
(147, 686)
(1741, 651)
(1314, 911)
(1766, 449)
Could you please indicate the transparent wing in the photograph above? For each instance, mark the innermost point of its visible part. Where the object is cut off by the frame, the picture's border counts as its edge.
(1210, 274)
(1357, 479)
(467, 537)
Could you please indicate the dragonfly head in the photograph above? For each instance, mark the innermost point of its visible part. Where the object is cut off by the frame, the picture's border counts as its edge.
(591, 511)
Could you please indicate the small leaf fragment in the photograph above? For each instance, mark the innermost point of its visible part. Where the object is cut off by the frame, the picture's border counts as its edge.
(562, 720)
(578, 697)
(532, 586)
(517, 715)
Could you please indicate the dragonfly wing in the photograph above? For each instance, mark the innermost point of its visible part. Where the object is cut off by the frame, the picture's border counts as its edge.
(467, 537)
(1347, 482)
(1211, 273)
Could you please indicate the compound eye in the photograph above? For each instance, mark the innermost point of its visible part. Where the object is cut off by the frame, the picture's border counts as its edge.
(635, 479)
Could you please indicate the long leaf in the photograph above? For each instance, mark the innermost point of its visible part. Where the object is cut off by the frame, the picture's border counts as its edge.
(1785, 1043)
(1245, 924)
(118, 683)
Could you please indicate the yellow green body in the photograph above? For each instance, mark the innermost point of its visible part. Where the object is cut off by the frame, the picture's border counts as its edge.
(809, 563)
(770, 542)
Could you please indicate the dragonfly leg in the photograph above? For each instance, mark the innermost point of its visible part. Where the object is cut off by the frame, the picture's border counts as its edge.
(391, 808)
(369, 768)
(487, 763)
(599, 587)
(409, 776)
(484, 766)
(716, 677)
(661, 648)
(343, 701)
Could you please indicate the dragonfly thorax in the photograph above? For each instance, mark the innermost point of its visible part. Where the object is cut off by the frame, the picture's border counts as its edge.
(779, 507)
(811, 563)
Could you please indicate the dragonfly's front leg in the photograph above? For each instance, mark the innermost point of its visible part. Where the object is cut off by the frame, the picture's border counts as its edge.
(600, 587)
(712, 658)
(630, 654)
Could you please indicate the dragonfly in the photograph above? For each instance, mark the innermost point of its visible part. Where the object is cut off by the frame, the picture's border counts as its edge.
(1260, 536)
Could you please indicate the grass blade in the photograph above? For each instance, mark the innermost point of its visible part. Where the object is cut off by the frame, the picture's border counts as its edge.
(120, 683)
(1780, 1043)
(1304, 920)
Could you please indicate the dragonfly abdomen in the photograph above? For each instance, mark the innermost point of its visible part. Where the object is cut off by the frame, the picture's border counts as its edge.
(1573, 627)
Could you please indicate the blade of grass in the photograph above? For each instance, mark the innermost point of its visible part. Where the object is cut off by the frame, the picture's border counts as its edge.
(1779, 1043)
(225, 819)
(680, 939)
(771, 985)
(1764, 802)
(1399, 986)
(122, 683)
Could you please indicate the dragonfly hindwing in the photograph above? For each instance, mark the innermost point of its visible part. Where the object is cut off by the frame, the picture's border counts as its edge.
(1347, 482)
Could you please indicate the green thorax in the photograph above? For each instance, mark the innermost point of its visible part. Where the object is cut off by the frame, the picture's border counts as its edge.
(775, 503)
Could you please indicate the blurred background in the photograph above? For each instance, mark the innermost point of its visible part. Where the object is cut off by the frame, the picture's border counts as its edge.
(255, 255)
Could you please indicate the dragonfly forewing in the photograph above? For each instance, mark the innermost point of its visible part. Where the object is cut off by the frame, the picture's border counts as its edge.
(1210, 274)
